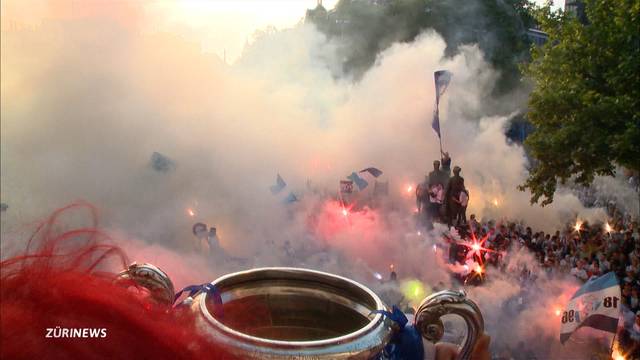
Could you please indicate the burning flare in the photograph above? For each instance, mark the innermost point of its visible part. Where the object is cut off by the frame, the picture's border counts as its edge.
(478, 269)
(577, 226)
(617, 354)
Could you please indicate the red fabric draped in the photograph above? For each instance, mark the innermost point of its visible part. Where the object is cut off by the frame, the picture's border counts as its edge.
(64, 280)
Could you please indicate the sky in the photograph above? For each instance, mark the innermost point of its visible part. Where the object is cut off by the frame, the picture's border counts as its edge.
(222, 27)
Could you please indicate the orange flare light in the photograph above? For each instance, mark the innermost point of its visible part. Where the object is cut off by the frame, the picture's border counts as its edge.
(191, 212)
(409, 188)
(558, 312)
(617, 355)
(578, 226)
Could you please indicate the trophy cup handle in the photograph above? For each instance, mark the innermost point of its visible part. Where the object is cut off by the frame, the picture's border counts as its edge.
(432, 308)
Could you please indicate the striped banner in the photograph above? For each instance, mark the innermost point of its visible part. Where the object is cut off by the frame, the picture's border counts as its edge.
(596, 304)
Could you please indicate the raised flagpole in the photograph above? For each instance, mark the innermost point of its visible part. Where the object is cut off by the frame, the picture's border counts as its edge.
(442, 79)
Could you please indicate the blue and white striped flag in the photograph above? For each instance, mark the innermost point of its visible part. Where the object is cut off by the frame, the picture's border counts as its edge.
(596, 304)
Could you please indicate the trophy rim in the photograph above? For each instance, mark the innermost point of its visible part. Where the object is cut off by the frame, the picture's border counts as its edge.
(371, 325)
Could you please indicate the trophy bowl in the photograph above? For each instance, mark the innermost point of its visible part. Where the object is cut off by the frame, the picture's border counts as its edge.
(292, 313)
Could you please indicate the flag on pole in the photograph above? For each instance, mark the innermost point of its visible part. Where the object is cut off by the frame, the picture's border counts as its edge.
(435, 124)
(279, 186)
(360, 182)
(291, 198)
(442, 79)
(373, 171)
(596, 304)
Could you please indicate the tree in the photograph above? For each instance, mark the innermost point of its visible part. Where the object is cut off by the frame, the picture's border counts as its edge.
(585, 104)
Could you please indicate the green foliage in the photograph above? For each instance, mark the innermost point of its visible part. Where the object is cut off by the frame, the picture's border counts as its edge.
(585, 101)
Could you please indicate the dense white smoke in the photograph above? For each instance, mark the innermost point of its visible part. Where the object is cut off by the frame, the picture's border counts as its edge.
(86, 103)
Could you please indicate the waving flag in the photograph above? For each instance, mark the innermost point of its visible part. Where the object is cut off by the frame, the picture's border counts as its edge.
(279, 186)
(435, 124)
(596, 304)
(442, 79)
(373, 171)
(291, 198)
(360, 182)
(161, 163)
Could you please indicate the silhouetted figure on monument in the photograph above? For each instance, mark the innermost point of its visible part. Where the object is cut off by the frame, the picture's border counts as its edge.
(457, 198)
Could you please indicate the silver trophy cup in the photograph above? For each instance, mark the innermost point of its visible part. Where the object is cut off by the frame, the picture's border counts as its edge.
(292, 313)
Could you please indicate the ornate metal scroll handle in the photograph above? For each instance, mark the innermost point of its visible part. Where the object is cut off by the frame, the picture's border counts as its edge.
(151, 278)
(428, 323)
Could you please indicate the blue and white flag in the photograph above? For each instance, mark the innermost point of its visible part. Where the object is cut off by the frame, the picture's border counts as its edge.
(360, 182)
(442, 79)
(279, 186)
(435, 124)
(291, 198)
(373, 171)
(596, 304)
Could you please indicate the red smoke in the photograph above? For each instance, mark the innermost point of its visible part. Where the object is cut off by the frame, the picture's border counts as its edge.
(361, 232)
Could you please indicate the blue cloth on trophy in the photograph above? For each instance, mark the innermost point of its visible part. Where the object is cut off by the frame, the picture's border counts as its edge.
(406, 344)
(360, 182)
(280, 184)
(208, 288)
(373, 171)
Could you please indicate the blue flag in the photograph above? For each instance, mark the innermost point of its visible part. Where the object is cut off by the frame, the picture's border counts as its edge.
(279, 186)
(442, 79)
(161, 163)
(435, 124)
(360, 182)
(291, 198)
(373, 171)
(596, 304)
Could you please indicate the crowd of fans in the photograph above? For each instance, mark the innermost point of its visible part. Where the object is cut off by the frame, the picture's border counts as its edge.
(579, 249)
